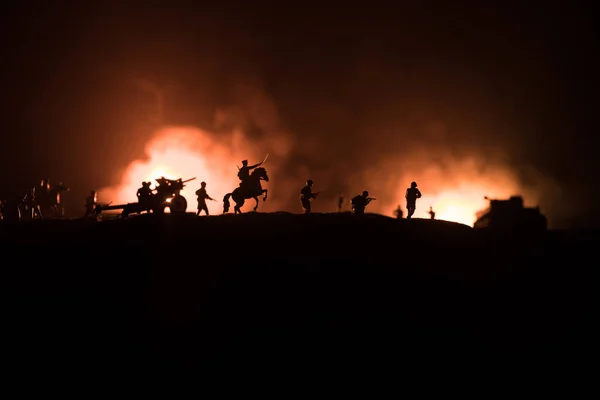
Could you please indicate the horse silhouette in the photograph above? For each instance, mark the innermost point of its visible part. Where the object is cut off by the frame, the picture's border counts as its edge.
(247, 190)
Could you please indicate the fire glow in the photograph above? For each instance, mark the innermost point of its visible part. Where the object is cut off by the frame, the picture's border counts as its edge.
(455, 192)
(180, 153)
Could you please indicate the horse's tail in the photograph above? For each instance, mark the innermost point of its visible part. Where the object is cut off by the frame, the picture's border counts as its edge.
(226, 204)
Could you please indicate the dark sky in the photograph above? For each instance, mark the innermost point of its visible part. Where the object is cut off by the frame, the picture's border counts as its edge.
(501, 76)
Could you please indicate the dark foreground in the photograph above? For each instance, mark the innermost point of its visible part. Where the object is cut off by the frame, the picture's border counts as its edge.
(319, 292)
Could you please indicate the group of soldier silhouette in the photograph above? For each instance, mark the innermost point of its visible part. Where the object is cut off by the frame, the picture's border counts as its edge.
(45, 199)
(360, 202)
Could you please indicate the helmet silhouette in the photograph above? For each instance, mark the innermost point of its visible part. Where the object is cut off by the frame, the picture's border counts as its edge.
(413, 185)
(365, 193)
(309, 182)
(202, 184)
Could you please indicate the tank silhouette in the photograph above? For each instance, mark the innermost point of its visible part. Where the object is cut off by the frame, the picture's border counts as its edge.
(167, 194)
(511, 214)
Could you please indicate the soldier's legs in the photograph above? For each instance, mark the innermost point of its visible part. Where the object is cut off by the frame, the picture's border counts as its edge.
(306, 206)
(410, 207)
(202, 207)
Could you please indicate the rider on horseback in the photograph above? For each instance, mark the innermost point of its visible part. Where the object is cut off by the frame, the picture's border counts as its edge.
(244, 173)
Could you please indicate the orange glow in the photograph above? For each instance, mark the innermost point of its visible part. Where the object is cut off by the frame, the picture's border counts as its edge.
(184, 152)
(456, 191)
(460, 204)
(455, 188)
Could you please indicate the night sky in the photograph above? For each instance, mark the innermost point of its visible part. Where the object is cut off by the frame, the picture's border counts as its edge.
(353, 84)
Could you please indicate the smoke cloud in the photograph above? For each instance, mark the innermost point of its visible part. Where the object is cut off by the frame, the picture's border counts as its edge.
(453, 178)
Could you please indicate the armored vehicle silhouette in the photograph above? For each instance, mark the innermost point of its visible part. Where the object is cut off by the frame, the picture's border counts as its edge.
(511, 214)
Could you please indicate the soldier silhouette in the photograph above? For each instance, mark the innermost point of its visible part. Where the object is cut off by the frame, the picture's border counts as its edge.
(412, 194)
(306, 196)
(360, 202)
(144, 195)
(244, 172)
(341, 202)
(90, 204)
(202, 197)
(398, 212)
(42, 193)
(29, 206)
(431, 212)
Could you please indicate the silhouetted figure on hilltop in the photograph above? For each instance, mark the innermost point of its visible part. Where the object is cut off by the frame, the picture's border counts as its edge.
(431, 213)
(250, 191)
(244, 172)
(341, 203)
(41, 193)
(29, 206)
(144, 195)
(360, 202)
(10, 210)
(90, 204)
(398, 212)
(412, 194)
(54, 204)
(306, 196)
(202, 197)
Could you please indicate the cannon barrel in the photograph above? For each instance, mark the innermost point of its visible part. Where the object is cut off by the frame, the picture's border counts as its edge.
(175, 180)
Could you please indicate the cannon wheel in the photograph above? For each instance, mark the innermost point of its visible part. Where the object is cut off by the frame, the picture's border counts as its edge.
(178, 204)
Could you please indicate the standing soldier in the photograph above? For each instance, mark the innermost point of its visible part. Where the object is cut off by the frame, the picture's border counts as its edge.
(360, 202)
(341, 203)
(306, 196)
(412, 194)
(202, 197)
(42, 193)
(431, 212)
(90, 204)
(398, 212)
(144, 195)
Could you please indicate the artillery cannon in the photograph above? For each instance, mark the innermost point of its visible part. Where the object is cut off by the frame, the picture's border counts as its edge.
(166, 194)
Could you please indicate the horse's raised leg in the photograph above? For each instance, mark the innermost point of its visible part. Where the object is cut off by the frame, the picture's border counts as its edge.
(238, 207)
(265, 191)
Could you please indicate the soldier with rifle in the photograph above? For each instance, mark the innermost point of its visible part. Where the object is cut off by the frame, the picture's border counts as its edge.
(90, 204)
(431, 213)
(202, 197)
(30, 206)
(306, 196)
(360, 202)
